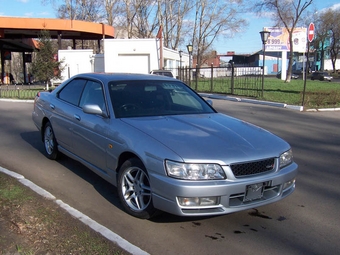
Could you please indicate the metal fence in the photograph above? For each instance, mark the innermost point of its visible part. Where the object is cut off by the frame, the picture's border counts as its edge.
(20, 91)
(242, 81)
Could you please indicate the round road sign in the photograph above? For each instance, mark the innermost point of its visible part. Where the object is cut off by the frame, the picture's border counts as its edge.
(311, 29)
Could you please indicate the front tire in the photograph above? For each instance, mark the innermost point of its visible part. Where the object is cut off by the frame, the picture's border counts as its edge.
(134, 189)
(50, 143)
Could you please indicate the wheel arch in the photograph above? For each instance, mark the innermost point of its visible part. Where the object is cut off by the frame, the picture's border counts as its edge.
(125, 156)
(43, 123)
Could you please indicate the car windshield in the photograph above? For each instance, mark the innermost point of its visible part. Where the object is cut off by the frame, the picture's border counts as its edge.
(155, 98)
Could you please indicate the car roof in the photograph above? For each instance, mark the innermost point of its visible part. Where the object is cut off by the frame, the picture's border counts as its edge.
(107, 77)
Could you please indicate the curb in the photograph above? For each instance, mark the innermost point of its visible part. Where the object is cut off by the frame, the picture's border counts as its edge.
(108, 234)
(17, 100)
(253, 101)
(323, 110)
(275, 104)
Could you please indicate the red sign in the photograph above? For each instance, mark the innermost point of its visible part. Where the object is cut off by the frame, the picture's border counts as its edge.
(311, 30)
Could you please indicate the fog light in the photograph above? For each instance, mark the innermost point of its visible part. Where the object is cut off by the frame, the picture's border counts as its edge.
(197, 201)
(288, 185)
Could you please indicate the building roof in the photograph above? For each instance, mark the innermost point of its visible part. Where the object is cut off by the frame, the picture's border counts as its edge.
(16, 34)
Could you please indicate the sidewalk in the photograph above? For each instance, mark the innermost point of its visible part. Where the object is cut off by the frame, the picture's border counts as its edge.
(274, 104)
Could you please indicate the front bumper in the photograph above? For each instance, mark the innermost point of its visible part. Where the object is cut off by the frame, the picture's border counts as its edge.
(232, 195)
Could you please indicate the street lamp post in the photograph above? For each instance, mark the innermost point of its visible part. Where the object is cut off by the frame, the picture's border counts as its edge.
(180, 64)
(189, 48)
(264, 38)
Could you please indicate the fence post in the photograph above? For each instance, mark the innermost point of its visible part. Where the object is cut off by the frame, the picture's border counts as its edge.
(180, 76)
(190, 72)
(196, 78)
(232, 77)
(186, 75)
(212, 78)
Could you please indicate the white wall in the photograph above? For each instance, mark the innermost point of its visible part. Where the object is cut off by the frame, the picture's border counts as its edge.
(139, 56)
(133, 63)
(75, 62)
(328, 65)
(131, 55)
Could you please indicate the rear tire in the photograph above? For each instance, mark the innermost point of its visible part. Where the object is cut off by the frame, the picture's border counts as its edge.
(134, 189)
(50, 143)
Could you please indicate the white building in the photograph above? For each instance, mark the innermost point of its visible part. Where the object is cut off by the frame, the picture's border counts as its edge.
(122, 55)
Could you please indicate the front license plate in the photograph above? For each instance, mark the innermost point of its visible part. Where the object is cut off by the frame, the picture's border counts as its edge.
(254, 191)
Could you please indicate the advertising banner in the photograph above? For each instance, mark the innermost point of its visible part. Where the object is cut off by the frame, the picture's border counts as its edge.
(7, 55)
(279, 39)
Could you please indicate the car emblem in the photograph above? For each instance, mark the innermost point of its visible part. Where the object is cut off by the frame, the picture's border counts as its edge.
(270, 166)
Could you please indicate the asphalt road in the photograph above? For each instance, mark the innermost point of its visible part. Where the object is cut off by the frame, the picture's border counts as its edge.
(307, 222)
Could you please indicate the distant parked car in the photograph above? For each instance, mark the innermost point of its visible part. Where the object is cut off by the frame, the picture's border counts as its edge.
(163, 146)
(294, 76)
(322, 76)
(163, 73)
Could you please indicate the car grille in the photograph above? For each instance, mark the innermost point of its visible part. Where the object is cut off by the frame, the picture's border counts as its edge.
(251, 168)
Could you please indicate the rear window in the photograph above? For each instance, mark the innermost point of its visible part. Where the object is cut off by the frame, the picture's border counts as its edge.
(163, 73)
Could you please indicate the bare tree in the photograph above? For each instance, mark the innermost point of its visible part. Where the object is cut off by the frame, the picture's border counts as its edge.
(132, 18)
(199, 22)
(288, 14)
(146, 20)
(171, 15)
(65, 10)
(214, 18)
(112, 10)
(87, 10)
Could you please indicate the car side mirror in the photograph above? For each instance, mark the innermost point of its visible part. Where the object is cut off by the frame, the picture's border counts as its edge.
(94, 109)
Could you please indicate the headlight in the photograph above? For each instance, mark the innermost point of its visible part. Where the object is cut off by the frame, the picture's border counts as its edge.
(194, 171)
(286, 158)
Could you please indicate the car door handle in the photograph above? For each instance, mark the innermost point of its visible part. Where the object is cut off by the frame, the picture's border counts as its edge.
(77, 117)
(52, 106)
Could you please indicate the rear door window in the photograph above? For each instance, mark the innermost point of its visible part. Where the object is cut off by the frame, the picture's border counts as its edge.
(72, 91)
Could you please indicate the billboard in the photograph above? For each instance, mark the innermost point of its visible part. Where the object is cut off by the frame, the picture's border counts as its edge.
(7, 55)
(279, 39)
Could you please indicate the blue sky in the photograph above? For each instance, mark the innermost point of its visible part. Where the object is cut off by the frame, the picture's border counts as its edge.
(246, 42)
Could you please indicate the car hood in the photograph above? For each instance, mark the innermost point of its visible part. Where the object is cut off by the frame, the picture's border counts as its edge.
(211, 137)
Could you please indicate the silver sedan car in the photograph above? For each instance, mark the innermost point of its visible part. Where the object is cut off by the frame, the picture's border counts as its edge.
(163, 146)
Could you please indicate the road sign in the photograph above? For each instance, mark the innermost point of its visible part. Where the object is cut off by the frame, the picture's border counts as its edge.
(311, 29)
